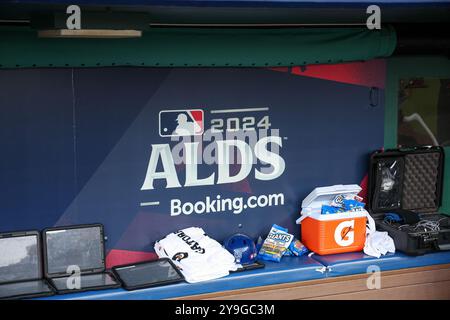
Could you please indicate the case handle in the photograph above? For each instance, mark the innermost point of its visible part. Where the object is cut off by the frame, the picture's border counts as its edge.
(413, 148)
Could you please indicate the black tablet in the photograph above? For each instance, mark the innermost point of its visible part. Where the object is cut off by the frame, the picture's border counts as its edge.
(250, 266)
(81, 246)
(148, 274)
(25, 289)
(76, 248)
(88, 282)
(21, 266)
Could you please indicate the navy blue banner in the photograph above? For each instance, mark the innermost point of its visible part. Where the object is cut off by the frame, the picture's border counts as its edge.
(149, 151)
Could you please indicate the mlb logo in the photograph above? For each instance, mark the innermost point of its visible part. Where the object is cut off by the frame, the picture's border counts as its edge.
(175, 123)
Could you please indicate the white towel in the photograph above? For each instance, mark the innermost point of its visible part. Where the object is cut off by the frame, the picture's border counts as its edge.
(377, 243)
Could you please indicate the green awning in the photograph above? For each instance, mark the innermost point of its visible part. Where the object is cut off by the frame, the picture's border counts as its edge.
(192, 47)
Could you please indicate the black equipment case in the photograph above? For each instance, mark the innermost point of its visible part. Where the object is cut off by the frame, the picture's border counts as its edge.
(409, 182)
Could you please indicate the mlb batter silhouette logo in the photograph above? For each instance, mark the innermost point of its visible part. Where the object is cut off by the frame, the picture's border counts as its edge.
(181, 123)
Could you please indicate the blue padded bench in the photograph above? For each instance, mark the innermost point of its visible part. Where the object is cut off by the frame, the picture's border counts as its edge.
(290, 269)
(357, 262)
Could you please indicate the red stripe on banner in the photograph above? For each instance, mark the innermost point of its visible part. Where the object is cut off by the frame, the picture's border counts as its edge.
(118, 257)
(364, 186)
(369, 73)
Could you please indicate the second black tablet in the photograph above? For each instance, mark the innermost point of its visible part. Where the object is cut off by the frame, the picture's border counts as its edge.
(148, 274)
(79, 246)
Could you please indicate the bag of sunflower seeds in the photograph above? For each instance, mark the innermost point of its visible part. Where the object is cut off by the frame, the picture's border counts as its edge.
(276, 244)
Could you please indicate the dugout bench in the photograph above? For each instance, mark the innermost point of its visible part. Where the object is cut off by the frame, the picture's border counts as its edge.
(340, 276)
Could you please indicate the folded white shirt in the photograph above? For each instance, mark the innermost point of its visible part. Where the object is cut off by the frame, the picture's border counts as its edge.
(198, 257)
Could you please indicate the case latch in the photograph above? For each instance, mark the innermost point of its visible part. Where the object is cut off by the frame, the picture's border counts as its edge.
(429, 240)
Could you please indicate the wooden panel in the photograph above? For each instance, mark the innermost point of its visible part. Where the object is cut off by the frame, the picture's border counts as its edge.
(416, 283)
(434, 290)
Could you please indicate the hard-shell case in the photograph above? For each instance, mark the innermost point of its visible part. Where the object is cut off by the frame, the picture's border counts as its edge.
(409, 181)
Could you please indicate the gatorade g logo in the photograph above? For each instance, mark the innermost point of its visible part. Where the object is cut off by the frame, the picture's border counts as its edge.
(344, 235)
(180, 256)
(339, 199)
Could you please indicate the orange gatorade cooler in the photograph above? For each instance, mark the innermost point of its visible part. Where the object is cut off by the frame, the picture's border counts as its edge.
(332, 233)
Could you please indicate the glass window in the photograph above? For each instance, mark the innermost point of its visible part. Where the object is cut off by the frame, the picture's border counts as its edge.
(424, 112)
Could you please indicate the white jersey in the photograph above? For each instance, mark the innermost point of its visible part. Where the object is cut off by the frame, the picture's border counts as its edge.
(198, 257)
